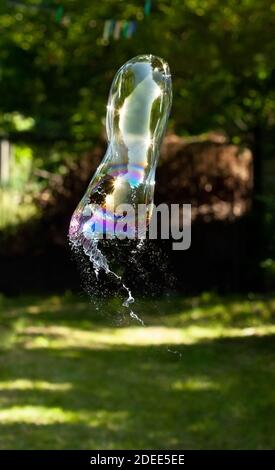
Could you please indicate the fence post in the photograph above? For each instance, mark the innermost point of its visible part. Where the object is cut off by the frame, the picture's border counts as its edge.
(5, 154)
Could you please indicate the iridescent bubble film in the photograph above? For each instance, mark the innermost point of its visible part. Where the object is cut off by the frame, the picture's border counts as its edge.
(137, 112)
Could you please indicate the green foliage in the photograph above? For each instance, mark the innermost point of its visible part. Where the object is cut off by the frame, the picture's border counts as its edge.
(16, 196)
(56, 70)
(15, 209)
(58, 73)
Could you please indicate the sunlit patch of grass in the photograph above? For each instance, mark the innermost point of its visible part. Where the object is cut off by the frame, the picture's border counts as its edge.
(225, 311)
(201, 383)
(60, 337)
(42, 415)
(200, 374)
(25, 384)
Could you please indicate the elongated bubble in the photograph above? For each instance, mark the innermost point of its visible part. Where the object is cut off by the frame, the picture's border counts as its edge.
(137, 112)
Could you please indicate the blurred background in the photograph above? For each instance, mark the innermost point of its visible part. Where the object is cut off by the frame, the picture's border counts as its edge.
(201, 373)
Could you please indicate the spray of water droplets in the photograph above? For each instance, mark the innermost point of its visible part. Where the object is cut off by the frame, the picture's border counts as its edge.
(99, 264)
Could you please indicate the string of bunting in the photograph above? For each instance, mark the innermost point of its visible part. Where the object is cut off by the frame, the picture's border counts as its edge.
(112, 28)
(118, 29)
(123, 28)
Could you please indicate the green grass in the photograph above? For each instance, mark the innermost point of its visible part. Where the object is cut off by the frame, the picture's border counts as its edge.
(200, 374)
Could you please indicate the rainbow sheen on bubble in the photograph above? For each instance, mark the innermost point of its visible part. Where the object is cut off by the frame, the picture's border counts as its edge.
(137, 112)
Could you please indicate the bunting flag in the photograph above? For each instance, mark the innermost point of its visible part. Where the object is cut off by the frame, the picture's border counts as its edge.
(59, 14)
(131, 29)
(147, 7)
(125, 28)
(108, 28)
(117, 29)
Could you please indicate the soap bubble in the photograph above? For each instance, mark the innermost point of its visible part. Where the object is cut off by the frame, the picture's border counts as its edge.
(137, 112)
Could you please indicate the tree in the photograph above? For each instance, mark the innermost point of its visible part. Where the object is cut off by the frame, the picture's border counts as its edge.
(56, 71)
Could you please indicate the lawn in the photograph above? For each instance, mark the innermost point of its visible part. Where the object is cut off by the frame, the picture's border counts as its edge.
(199, 374)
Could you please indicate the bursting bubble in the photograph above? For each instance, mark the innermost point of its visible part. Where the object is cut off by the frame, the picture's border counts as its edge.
(137, 113)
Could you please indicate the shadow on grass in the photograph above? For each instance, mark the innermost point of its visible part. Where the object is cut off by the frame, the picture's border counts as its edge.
(219, 395)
